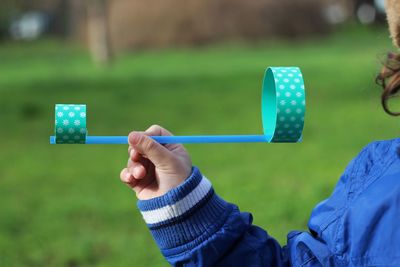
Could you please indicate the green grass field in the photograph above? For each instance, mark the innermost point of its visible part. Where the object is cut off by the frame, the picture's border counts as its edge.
(65, 205)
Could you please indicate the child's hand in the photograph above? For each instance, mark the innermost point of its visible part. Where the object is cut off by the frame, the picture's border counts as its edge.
(154, 169)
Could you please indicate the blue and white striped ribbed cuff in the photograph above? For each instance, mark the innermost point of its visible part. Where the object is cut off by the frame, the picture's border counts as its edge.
(185, 213)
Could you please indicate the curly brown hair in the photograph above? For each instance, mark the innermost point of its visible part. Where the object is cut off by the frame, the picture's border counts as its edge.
(389, 79)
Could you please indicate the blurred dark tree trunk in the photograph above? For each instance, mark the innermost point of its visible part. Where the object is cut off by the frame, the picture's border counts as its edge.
(99, 31)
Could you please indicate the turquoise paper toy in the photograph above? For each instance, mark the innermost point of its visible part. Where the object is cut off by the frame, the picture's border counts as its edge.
(282, 108)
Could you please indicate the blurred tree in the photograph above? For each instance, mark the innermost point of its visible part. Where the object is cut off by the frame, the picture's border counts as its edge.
(7, 10)
(162, 23)
(98, 31)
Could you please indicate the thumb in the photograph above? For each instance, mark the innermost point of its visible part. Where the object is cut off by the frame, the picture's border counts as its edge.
(147, 146)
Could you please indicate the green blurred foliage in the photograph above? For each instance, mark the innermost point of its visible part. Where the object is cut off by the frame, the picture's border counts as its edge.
(65, 206)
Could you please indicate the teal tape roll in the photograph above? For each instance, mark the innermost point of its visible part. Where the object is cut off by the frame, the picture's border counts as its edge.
(70, 124)
(283, 104)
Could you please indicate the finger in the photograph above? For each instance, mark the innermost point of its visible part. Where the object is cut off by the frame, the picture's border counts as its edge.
(137, 170)
(141, 168)
(144, 161)
(148, 147)
(127, 178)
(132, 152)
(156, 130)
(134, 155)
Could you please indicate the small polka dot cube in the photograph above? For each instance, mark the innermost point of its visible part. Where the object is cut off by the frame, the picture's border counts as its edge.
(70, 121)
(283, 104)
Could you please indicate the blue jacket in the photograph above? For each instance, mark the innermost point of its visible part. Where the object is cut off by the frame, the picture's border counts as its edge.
(359, 225)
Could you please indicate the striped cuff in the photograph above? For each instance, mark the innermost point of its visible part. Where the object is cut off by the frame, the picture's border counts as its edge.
(186, 215)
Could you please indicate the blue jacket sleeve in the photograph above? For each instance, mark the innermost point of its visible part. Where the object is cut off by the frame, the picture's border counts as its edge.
(195, 227)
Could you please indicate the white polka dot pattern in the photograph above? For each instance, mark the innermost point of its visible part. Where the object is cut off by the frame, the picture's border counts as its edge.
(70, 124)
(291, 105)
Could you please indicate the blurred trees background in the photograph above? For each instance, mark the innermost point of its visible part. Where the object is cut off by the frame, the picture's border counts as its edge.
(112, 26)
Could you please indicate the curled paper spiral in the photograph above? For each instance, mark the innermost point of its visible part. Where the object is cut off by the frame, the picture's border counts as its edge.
(283, 104)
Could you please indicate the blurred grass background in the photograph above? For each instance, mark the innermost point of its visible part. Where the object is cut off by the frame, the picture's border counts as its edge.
(65, 206)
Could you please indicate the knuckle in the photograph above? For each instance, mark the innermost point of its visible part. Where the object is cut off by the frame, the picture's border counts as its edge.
(130, 162)
(156, 126)
(134, 138)
(149, 145)
(153, 130)
(134, 165)
(122, 173)
(140, 139)
(131, 133)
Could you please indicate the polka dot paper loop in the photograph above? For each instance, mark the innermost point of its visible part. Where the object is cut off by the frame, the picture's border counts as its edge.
(70, 124)
(283, 104)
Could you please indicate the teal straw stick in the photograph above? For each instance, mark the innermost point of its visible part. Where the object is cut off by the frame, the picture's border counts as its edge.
(200, 139)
